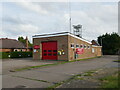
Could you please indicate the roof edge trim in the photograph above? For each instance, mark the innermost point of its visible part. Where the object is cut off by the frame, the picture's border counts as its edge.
(60, 34)
(96, 46)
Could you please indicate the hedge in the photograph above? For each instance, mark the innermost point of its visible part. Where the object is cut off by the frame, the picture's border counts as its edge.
(15, 54)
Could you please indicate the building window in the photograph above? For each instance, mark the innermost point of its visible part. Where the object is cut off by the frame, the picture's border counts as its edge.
(81, 46)
(88, 46)
(45, 54)
(45, 50)
(15, 50)
(93, 50)
(49, 50)
(72, 45)
(54, 50)
(85, 46)
(54, 54)
(77, 46)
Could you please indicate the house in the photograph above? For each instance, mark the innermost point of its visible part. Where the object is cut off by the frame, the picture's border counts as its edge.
(94, 42)
(63, 46)
(11, 45)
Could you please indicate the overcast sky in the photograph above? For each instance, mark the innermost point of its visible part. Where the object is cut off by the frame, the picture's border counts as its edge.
(31, 18)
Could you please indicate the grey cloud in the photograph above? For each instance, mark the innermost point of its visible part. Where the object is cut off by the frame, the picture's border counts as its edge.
(14, 20)
(94, 19)
(11, 20)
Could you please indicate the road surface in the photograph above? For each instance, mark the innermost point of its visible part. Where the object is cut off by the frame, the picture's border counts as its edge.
(50, 75)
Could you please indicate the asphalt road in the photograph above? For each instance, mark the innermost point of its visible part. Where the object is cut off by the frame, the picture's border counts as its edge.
(16, 63)
(47, 76)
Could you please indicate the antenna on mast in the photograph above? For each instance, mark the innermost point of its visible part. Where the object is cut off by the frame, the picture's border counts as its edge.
(70, 16)
(78, 30)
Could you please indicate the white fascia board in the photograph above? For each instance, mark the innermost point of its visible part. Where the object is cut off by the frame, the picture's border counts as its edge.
(50, 35)
(79, 38)
(62, 35)
(96, 46)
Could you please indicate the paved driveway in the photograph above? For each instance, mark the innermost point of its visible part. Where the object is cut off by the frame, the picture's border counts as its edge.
(11, 64)
(47, 76)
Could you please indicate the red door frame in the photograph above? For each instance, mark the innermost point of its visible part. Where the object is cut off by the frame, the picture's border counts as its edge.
(49, 50)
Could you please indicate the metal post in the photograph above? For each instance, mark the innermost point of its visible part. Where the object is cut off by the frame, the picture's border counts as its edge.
(70, 15)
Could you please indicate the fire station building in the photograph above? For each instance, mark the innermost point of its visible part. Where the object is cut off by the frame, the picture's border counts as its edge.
(63, 46)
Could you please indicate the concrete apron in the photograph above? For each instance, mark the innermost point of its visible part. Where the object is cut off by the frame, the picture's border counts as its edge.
(53, 74)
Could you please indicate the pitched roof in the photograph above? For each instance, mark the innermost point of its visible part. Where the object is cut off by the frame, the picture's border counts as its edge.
(94, 42)
(11, 43)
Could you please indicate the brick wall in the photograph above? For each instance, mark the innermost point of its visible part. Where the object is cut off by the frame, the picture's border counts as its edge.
(87, 52)
(61, 42)
(6, 50)
(64, 42)
(97, 50)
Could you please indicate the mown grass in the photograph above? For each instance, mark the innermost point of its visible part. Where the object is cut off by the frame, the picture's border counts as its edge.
(31, 79)
(117, 61)
(110, 81)
(89, 73)
(75, 77)
(32, 67)
(65, 81)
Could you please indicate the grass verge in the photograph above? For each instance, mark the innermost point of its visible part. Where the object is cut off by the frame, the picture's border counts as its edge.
(32, 67)
(75, 77)
(117, 61)
(60, 83)
(89, 73)
(110, 81)
(32, 79)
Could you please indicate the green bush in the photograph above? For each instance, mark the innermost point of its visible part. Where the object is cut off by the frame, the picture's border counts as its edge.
(4, 55)
(15, 54)
(0, 55)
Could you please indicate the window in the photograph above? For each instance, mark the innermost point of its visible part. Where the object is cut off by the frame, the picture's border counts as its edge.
(54, 54)
(72, 45)
(54, 50)
(85, 46)
(93, 50)
(45, 54)
(45, 50)
(77, 46)
(49, 50)
(88, 46)
(15, 50)
(81, 46)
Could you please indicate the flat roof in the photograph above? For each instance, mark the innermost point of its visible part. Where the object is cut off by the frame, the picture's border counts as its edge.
(61, 34)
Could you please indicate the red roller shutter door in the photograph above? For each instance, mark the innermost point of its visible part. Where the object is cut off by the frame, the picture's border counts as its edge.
(49, 50)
